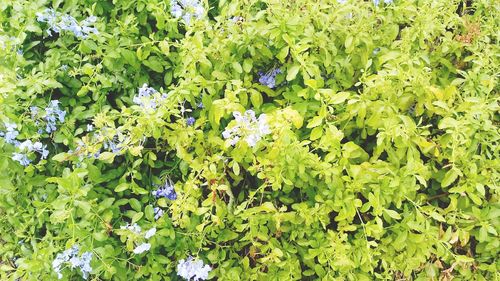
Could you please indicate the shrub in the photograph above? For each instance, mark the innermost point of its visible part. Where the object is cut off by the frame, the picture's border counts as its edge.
(249, 140)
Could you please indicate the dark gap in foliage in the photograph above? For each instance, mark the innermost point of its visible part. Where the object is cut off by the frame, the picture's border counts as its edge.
(333, 223)
(465, 7)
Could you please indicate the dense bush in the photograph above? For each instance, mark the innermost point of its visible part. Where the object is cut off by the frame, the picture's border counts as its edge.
(249, 140)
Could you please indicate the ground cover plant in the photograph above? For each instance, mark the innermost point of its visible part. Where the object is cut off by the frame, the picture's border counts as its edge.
(249, 140)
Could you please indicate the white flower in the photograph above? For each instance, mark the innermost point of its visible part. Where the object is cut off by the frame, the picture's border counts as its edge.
(142, 248)
(71, 256)
(26, 145)
(134, 228)
(188, 269)
(150, 233)
(247, 127)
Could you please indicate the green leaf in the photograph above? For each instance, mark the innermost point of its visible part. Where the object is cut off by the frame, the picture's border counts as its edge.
(236, 168)
(226, 235)
(437, 216)
(393, 214)
(449, 177)
(340, 97)
(135, 204)
(316, 133)
(137, 216)
(247, 65)
(107, 157)
(122, 187)
(154, 63)
(236, 65)
(256, 98)
(292, 72)
(315, 121)
(60, 157)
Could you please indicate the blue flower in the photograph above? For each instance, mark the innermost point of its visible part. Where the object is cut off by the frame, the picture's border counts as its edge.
(21, 158)
(62, 22)
(269, 78)
(158, 213)
(187, 9)
(200, 105)
(167, 191)
(10, 133)
(190, 121)
(148, 98)
(71, 256)
(190, 268)
(52, 114)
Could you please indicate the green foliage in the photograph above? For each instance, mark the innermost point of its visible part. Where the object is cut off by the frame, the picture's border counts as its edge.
(382, 161)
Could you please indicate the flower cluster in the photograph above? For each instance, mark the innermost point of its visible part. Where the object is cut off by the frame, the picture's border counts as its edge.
(114, 145)
(25, 147)
(52, 114)
(58, 22)
(148, 97)
(248, 127)
(71, 256)
(186, 9)
(137, 230)
(166, 191)
(106, 138)
(269, 78)
(196, 270)
(10, 133)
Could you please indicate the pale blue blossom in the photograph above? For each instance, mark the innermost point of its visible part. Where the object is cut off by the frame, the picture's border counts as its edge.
(134, 228)
(166, 191)
(247, 127)
(53, 114)
(70, 256)
(190, 269)
(158, 213)
(150, 233)
(142, 248)
(22, 158)
(187, 9)
(190, 121)
(10, 133)
(58, 22)
(148, 98)
(269, 78)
